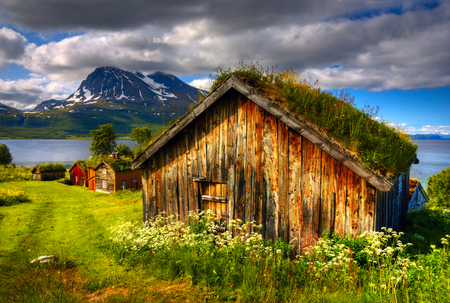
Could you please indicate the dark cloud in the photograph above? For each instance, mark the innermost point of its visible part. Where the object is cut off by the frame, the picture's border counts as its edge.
(12, 46)
(227, 15)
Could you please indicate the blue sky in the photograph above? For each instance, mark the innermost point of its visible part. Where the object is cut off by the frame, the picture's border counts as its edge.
(391, 54)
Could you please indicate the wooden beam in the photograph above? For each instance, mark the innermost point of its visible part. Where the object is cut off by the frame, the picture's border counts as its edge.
(214, 199)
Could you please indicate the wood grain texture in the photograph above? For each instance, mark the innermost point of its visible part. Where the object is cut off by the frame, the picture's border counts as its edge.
(295, 190)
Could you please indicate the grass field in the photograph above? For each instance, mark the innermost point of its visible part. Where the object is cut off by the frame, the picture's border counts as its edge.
(71, 223)
(101, 255)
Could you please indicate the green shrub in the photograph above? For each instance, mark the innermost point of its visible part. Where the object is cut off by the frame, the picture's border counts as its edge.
(438, 190)
(14, 173)
(12, 196)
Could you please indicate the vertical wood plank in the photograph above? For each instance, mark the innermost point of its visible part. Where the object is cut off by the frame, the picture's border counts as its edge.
(241, 135)
(341, 198)
(326, 193)
(192, 170)
(353, 203)
(210, 154)
(230, 192)
(250, 160)
(159, 170)
(363, 207)
(216, 115)
(311, 157)
(223, 140)
(201, 154)
(146, 194)
(283, 181)
(270, 150)
(295, 190)
(182, 177)
(232, 126)
(259, 128)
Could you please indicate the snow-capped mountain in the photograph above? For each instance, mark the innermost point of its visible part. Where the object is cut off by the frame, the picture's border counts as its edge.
(157, 91)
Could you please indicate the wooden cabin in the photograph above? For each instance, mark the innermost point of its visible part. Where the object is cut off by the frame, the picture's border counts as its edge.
(247, 157)
(108, 181)
(417, 195)
(78, 174)
(47, 176)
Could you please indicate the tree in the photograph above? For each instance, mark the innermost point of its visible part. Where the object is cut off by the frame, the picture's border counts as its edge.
(103, 140)
(5, 155)
(124, 150)
(141, 136)
(438, 189)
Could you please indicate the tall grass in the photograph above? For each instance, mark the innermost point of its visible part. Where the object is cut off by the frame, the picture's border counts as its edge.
(380, 146)
(373, 267)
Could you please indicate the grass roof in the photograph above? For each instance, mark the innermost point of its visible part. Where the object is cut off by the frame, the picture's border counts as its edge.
(380, 146)
(50, 167)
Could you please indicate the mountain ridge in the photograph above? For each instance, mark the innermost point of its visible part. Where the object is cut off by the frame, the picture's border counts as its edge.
(107, 95)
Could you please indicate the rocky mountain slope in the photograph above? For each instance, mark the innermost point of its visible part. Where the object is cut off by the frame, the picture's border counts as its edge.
(108, 95)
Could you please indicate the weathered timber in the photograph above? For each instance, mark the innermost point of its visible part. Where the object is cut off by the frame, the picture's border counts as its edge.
(214, 199)
(270, 149)
(295, 189)
(283, 181)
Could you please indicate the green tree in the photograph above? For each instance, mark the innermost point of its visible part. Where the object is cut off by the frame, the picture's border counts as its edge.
(5, 155)
(124, 150)
(103, 140)
(141, 136)
(438, 189)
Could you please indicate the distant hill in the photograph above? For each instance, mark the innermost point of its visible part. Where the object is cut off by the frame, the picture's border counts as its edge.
(107, 95)
(426, 136)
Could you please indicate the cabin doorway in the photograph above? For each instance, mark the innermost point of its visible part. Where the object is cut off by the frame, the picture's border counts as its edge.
(213, 197)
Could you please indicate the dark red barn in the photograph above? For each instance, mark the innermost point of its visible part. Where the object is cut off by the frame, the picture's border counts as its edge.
(78, 173)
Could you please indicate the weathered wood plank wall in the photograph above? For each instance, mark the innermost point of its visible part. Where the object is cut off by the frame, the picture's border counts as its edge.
(266, 172)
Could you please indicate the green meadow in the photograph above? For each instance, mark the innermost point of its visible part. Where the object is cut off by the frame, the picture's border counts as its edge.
(71, 223)
(102, 252)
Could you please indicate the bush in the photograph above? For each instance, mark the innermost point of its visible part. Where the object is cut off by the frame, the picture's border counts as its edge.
(12, 196)
(14, 173)
(438, 190)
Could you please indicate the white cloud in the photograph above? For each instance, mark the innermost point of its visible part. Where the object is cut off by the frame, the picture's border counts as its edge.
(12, 46)
(204, 83)
(427, 129)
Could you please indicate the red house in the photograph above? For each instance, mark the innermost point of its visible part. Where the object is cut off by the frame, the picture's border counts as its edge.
(78, 172)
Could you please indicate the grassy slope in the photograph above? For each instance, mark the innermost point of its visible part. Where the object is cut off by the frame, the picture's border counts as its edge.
(71, 222)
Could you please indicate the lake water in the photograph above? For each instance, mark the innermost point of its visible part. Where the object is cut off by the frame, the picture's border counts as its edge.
(32, 152)
(434, 155)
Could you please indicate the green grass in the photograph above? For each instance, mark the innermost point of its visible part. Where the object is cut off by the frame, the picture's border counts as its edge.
(72, 223)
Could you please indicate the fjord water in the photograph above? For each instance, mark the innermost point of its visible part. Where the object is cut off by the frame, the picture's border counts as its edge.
(34, 151)
(434, 155)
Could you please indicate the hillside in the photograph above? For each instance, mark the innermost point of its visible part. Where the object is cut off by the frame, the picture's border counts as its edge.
(107, 95)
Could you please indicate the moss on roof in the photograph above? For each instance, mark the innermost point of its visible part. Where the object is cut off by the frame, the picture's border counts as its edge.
(50, 168)
(380, 146)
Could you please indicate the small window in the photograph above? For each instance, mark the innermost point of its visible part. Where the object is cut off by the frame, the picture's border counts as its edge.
(104, 170)
(76, 179)
(104, 184)
(124, 184)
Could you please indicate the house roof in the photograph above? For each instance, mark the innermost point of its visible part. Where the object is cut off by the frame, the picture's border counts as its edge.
(103, 162)
(77, 164)
(291, 120)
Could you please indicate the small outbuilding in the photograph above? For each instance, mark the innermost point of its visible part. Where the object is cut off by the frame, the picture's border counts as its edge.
(48, 172)
(110, 178)
(418, 196)
(78, 173)
(247, 157)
